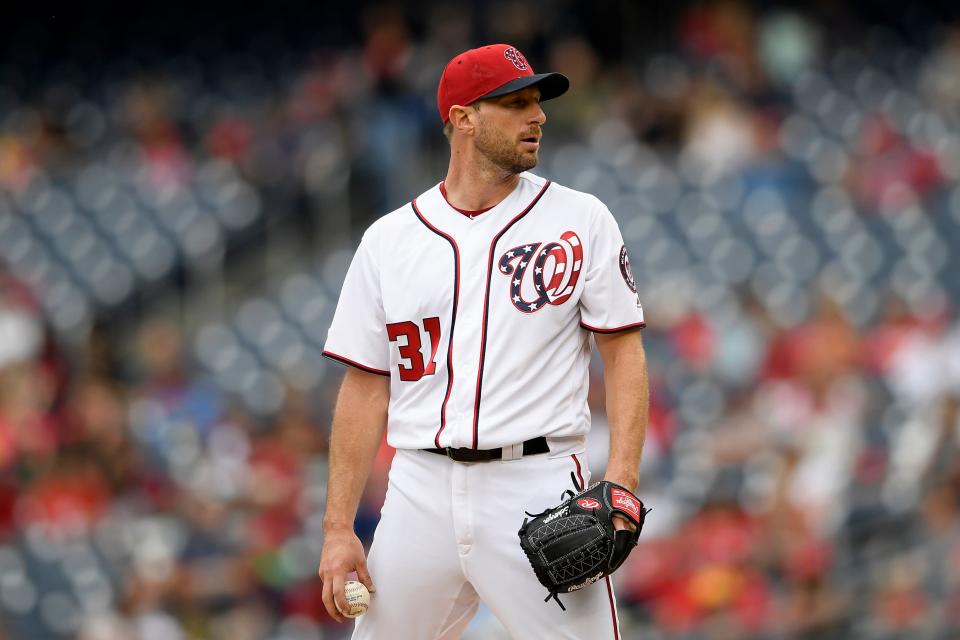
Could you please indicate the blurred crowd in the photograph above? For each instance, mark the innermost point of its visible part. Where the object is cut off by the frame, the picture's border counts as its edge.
(788, 185)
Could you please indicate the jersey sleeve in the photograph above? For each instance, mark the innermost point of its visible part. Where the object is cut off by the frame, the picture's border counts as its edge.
(358, 334)
(609, 302)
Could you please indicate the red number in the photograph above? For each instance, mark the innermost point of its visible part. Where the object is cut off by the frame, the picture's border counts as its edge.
(411, 350)
(432, 325)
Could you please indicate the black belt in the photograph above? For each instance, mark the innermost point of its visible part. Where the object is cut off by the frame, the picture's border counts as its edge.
(466, 454)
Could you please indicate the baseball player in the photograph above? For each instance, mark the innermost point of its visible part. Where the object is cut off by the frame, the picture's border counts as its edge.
(467, 318)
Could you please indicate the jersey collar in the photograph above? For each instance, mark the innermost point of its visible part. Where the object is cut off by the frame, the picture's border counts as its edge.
(440, 213)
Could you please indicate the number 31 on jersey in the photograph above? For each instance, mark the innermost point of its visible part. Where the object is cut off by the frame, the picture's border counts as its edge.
(407, 335)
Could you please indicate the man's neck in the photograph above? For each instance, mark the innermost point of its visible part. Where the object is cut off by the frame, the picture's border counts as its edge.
(473, 186)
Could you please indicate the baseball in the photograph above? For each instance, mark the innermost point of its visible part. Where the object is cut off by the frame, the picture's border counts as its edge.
(358, 599)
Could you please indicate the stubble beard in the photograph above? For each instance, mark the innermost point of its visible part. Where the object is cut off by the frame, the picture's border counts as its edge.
(502, 152)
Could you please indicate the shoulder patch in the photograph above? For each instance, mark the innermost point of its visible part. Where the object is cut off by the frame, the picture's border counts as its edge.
(625, 269)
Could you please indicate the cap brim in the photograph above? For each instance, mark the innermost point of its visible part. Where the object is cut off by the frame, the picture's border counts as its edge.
(552, 85)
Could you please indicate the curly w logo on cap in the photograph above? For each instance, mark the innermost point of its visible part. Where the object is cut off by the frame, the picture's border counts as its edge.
(516, 58)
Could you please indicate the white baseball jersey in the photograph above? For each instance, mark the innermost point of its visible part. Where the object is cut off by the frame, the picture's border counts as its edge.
(484, 324)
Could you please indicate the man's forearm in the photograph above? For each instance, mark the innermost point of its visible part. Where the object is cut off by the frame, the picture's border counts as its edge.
(357, 431)
(625, 376)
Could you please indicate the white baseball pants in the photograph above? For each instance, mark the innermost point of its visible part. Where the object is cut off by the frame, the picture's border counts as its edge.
(447, 539)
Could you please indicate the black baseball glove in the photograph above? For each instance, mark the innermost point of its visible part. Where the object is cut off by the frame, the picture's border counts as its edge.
(574, 544)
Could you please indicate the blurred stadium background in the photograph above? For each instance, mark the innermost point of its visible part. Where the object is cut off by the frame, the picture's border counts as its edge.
(180, 194)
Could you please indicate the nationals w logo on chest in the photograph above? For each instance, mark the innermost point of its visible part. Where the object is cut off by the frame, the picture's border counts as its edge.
(543, 274)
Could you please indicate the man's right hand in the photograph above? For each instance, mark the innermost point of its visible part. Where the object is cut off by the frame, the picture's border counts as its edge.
(342, 554)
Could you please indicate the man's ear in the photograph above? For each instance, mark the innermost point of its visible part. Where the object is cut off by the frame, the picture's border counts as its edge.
(462, 118)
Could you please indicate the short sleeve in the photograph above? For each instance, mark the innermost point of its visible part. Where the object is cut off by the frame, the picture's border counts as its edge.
(609, 302)
(358, 334)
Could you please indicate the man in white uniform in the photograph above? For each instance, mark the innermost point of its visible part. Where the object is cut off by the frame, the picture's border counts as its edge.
(468, 318)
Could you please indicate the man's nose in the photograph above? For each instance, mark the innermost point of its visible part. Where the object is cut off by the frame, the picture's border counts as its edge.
(539, 116)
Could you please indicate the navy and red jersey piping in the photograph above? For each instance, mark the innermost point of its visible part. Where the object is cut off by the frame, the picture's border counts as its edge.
(633, 325)
(353, 363)
(613, 610)
(470, 213)
(453, 315)
(576, 461)
(486, 308)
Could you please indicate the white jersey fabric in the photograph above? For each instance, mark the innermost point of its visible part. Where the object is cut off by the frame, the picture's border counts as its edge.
(483, 324)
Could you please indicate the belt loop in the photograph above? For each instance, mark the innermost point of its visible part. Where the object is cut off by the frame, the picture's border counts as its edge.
(512, 452)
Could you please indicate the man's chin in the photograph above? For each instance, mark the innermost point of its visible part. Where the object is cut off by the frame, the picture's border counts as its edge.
(520, 163)
(528, 162)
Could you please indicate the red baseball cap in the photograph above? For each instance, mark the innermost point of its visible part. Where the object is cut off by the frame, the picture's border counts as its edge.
(491, 71)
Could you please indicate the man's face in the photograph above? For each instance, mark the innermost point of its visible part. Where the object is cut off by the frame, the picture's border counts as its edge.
(508, 130)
